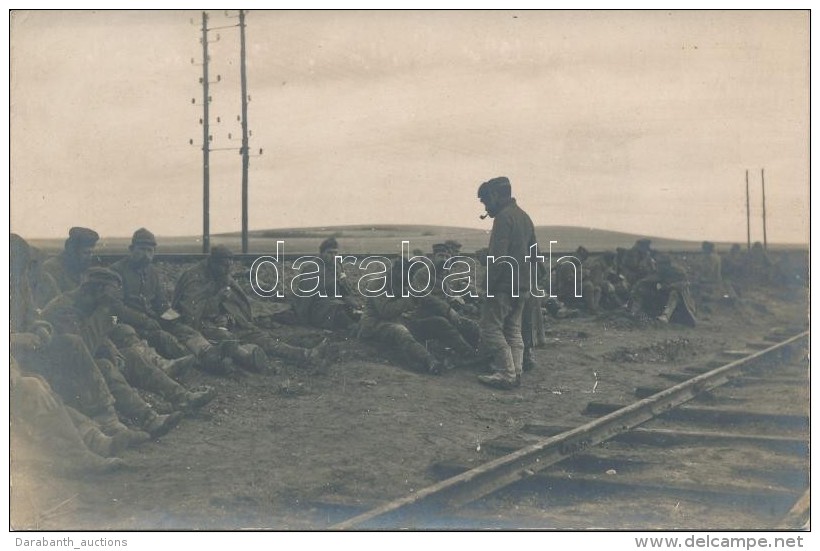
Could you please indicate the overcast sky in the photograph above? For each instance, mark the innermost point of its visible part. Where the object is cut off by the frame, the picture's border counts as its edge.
(636, 121)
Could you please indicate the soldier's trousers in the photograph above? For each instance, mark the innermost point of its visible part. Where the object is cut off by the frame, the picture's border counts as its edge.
(399, 340)
(532, 323)
(176, 340)
(193, 340)
(39, 413)
(143, 374)
(166, 344)
(128, 400)
(330, 313)
(437, 328)
(501, 333)
(270, 344)
(72, 373)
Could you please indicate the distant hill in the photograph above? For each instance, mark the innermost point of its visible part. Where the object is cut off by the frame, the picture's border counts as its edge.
(387, 238)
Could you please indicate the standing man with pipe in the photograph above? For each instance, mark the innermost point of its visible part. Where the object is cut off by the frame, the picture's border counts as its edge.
(508, 283)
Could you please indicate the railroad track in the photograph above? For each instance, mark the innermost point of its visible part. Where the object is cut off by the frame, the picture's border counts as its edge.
(719, 442)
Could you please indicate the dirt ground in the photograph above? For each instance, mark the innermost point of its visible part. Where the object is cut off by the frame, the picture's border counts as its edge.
(274, 451)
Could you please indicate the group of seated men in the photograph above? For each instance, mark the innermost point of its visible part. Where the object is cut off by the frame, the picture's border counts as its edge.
(650, 284)
(85, 338)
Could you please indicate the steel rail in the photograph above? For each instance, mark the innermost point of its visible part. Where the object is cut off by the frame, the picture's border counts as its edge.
(476, 483)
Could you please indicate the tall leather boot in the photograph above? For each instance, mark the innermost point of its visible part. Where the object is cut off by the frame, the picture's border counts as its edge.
(249, 356)
(214, 360)
(174, 367)
(320, 356)
(99, 442)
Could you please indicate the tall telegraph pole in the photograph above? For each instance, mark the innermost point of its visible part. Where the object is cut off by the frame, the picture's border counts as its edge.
(748, 223)
(763, 187)
(207, 138)
(206, 185)
(245, 152)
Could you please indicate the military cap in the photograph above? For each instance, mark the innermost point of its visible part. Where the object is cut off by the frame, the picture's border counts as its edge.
(455, 246)
(643, 243)
(82, 236)
(441, 248)
(501, 182)
(329, 243)
(143, 237)
(221, 251)
(98, 274)
(707, 246)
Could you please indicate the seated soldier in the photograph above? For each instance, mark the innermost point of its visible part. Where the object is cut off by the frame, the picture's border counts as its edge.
(759, 266)
(442, 302)
(60, 435)
(567, 285)
(390, 320)
(733, 269)
(603, 287)
(78, 255)
(87, 313)
(593, 280)
(453, 246)
(709, 283)
(145, 307)
(664, 294)
(213, 303)
(63, 360)
(338, 308)
(637, 262)
(67, 269)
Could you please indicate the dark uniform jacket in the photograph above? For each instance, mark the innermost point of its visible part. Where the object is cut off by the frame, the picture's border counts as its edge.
(143, 297)
(512, 235)
(58, 268)
(67, 317)
(314, 308)
(202, 301)
(384, 310)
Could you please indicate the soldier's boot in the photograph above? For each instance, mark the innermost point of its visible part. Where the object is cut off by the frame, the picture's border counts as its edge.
(249, 356)
(166, 344)
(433, 366)
(419, 358)
(321, 356)
(499, 380)
(669, 308)
(109, 422)
(179, 366)
(529, 359)
(121, 437)
(87, 462)
(160, 425)
(149, 354)
(99, 442)
(111, 446)
(175, 367)
(190, 400)
(214, 360)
